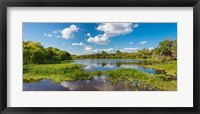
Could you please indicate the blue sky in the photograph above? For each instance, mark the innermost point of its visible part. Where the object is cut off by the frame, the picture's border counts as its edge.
(87, 38)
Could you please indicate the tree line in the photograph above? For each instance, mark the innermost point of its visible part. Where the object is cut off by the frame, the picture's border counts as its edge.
(166, 50)
(35, 53)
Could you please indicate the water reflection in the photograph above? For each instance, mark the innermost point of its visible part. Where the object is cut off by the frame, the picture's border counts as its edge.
(42, 85)
(97, 83)
(110, 64)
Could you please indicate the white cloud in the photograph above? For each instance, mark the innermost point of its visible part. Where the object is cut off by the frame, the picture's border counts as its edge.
(130, 42)
(135, 25)
(129, 50)
(88, 49)
(78, 44)
(56, 31)
(67, 33)
(143, 42)
(151, 48)
(115, 29)
(111, 30)
(88, 34)
(47, 35)
(109, 50)
(53, 34)
(99, 39)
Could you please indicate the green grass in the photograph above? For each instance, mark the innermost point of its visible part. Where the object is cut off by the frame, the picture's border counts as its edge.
(162, 67)
(145, 80)
(168, 67)
(55, 72)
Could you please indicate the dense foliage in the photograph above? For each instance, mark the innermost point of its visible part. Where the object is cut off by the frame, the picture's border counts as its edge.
(167, 50)
(35, 53)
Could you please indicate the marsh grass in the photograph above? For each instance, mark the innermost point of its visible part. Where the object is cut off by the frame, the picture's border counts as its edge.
(55, 72)
(163, 81)
(169, 67)
(163, 67)
(144, 80)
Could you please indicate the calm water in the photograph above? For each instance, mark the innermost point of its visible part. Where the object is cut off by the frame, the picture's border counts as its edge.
(97, 83)
(110, 64)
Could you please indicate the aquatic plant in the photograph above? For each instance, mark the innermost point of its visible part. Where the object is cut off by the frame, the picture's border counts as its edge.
(164, 80)
(55, 72)
(142, 80)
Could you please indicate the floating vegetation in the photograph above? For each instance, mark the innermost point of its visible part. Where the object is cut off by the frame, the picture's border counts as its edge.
(163, 80)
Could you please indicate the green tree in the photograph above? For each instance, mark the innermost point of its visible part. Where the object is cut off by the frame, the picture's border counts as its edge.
(165, 49)
(35, 53)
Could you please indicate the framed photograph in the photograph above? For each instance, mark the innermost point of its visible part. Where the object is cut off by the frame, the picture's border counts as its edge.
(84, 56)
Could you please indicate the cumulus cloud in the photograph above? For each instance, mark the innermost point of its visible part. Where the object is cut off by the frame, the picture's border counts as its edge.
(99, 39)
(47, 35)
(143, 42)
(129, 50)
(88, 49)
(78, 44)
(111, 30)
(115, 29)
(130, 42)
(88, 34)
(67, 33)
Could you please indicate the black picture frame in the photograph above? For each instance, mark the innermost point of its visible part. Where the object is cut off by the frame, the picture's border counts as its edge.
(99, 3)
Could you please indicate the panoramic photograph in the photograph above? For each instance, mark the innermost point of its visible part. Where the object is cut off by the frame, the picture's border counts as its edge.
(111, 56)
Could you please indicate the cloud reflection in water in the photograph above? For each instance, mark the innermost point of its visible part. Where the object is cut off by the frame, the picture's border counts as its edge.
(97, 83)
